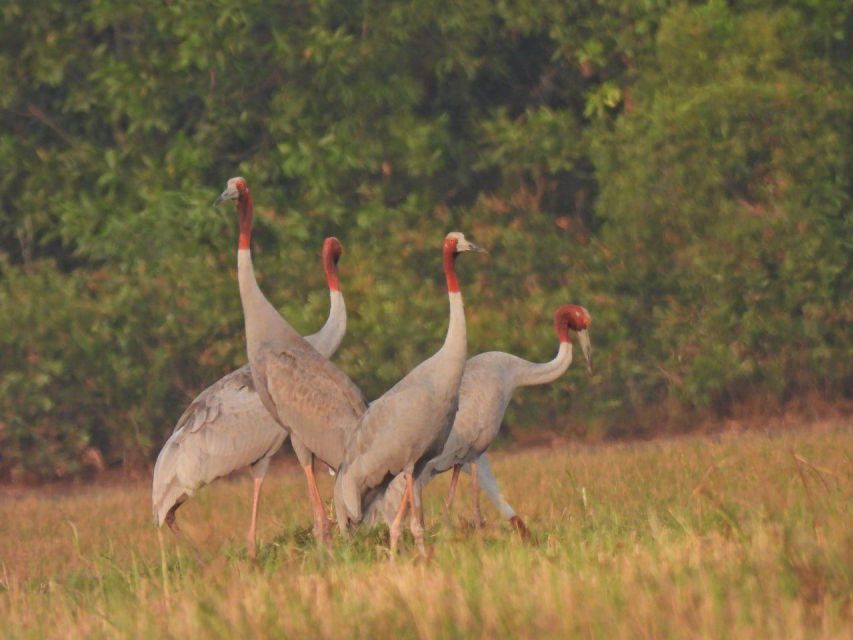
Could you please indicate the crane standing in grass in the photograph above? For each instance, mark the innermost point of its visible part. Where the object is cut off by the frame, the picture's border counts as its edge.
(487, 386)
(227, 427)
(306, 394)
(409, 424)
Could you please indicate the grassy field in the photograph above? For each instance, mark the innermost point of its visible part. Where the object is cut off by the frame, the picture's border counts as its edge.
(740, 536)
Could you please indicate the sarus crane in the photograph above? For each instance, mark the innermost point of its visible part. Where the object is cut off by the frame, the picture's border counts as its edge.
(488, 383)
(409, 424)
(226, 427)
(307, 395)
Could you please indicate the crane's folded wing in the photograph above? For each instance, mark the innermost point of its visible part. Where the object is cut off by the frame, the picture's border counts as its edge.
(313, 397)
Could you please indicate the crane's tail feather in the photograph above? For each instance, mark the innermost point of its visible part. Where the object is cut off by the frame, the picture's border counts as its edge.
(168, 501)
(352, 499)
(167, 491)
(347, 499)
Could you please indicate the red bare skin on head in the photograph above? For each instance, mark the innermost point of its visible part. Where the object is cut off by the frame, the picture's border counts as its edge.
(450, 264)
(332, 250)
(570, 316)
(245, 208)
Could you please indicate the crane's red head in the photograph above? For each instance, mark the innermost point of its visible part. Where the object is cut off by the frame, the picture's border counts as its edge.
(576, 318)
(235, 189)
(332, 250)
(238, 189)
(454, 244)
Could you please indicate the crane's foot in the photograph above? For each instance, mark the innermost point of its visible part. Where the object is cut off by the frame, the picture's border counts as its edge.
(521, 528)
(252, 550)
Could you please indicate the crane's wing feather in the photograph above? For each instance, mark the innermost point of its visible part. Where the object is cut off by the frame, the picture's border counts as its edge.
(224, 429)
(393, 425)
(232, 388)
(393, 434)
(315, 398)
(487, 387)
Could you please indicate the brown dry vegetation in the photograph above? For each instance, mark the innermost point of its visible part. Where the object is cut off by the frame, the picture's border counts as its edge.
(735, 536)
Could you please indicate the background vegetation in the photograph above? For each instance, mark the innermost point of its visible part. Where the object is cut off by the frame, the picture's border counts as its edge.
(681, 169)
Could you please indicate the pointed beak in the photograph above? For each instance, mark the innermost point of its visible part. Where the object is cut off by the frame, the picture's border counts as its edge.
(586, 348)
(476, 248)
(228, 194)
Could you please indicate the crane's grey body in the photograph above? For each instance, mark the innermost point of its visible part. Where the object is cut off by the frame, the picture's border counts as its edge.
(227, 428)
(408, 425)
(385, 503)
(488, 383)
(302, 390)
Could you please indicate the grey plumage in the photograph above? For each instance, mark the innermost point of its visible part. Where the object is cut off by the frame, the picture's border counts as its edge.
(227, 427)
(410, 422)
(301, 389)
(384, 504)
(309, 394)
(488, 383)
(224, 429)
(398, 432)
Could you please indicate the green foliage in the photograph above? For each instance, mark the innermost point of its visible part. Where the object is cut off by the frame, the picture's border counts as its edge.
(680, 170)
(724, 198)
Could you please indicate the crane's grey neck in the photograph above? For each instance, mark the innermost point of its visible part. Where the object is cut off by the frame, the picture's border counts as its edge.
(263, 322)
(455, 346)
(329, 337)
(533, 373)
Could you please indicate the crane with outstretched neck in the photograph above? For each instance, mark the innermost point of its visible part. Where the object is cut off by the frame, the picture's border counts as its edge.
(226, 427)
(308, 396)
(409, 424)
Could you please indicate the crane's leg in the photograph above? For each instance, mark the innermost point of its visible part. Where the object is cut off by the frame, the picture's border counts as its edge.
(490, 487)
(475, 486)
(322, 526)
(416, 524)
(448, 504)
(398, 519)
(256, 498)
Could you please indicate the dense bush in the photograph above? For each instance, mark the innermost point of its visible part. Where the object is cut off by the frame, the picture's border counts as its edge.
(680, 169)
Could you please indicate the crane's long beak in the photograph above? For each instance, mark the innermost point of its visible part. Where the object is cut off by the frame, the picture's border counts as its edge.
(586, 348)
(476, 248)
(229, 194)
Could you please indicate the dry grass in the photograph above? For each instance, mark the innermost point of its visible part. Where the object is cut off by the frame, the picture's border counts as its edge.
(742, 536)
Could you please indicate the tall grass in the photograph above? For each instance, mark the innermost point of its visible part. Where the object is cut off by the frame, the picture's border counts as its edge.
(739, 536)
